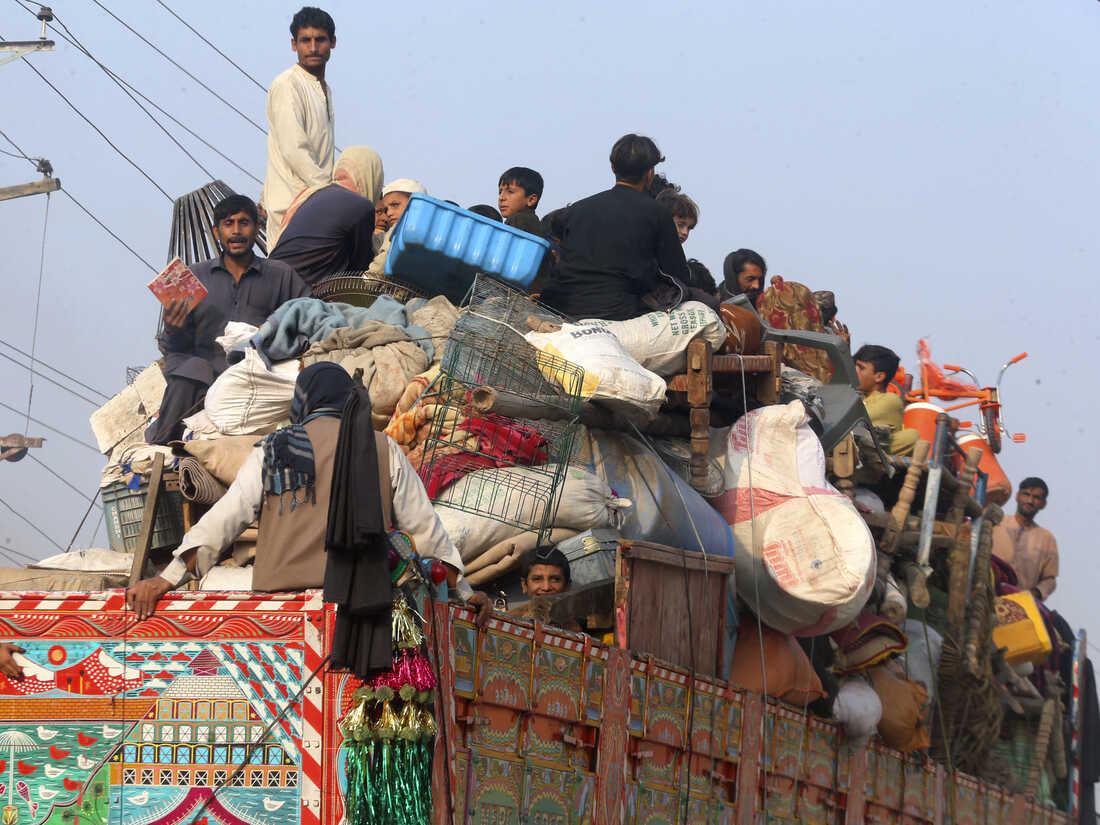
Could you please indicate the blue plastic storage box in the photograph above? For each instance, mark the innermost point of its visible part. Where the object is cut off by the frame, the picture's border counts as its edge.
(439, 248)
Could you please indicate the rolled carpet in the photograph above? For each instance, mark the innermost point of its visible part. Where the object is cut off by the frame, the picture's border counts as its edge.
(197, 484)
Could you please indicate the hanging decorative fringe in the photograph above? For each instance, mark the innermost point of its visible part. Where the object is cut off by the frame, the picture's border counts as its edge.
(389, 735)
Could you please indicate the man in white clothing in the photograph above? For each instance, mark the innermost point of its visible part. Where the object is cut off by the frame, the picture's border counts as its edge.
(300, 119)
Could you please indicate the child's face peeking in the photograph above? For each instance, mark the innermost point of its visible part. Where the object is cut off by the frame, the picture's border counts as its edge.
(513, 198)
(395, 203)
(683, 228)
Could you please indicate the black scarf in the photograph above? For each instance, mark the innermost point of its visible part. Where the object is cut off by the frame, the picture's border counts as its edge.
(357, 575)
(321, 389)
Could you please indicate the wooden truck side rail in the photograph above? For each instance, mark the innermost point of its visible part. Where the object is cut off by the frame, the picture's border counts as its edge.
(220, 709)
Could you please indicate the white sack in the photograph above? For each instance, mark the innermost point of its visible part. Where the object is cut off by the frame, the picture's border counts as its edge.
(228, 578)
(611, 375)
(858, 708)
(586, 502)
(249, 398)
(236, 332)
(805, 558)
(659, 340)
(93, 560)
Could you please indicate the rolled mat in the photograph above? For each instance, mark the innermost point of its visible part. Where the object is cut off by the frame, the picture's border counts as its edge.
(198, 485)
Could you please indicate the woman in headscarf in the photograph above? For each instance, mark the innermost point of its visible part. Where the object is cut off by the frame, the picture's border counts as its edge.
(288, 481)
(329, 229)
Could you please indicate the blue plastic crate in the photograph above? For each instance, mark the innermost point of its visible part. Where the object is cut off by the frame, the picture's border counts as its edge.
(439, 248)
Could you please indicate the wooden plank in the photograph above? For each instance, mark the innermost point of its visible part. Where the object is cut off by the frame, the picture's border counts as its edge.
(674, 556)
(7, 193)
(148, 520)
(20, 441)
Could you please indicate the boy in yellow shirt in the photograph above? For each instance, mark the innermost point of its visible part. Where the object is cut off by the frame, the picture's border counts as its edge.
(875, 366)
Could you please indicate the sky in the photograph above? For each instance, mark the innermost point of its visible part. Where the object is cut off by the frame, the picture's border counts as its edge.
(934, 165)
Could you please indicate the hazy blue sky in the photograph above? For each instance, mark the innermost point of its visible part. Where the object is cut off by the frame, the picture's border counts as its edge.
(934, 164)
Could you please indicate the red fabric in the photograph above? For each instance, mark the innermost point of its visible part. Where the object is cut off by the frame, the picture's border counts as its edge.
(499, 444)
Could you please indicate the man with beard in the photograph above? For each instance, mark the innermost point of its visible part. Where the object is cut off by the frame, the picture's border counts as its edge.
(240, 287)
(301, 119)
(744, 272)
(1030, 550)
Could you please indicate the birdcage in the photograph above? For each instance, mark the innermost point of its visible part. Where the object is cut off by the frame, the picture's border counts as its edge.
(505, 415)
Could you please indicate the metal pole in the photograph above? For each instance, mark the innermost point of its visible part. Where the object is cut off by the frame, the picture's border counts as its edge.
(1075, 730)
(932, 493)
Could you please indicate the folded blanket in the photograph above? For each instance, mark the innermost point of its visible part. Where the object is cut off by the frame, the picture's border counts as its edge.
(291, 328)
(388, 358)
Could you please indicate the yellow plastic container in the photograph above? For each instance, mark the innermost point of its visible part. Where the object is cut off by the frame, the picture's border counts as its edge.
(1020, 629)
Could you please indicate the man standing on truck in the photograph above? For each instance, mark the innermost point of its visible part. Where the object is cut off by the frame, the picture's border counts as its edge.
(300, 117)
(239, 287)
(1030, 550)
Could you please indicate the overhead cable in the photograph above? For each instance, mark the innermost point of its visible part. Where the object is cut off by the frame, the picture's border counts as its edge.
(87, 212)
(106, 229)
(72, 39)
(76, 381)
(34, 526)
(99, 131)
(47, 378)
(159, 51)
(61, 478)
(21, 154)
(61, 433)
(37, 308)
(198, 34)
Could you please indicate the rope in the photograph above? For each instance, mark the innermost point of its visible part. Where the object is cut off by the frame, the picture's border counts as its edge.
(37, 308)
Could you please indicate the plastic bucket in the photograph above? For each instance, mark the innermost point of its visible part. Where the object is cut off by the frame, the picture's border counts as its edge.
(998, 488)
(921, 416)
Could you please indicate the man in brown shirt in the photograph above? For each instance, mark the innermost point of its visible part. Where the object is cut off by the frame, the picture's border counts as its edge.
(1030, 550)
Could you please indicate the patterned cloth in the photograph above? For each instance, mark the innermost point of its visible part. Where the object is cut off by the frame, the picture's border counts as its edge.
(790, 305)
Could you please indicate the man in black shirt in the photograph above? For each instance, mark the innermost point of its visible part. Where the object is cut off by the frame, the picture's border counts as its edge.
(616, 245)
(240, 287)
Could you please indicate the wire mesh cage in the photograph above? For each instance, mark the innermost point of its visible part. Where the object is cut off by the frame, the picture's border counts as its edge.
(361, 290)
(505, 468)
(487, 352)
(505, 415)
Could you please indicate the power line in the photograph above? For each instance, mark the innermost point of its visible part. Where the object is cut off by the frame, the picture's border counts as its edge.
(53, 369)
(21, 154)
(72, 39)
(198, 34)
(159, 51)
(36, 528)
(99, 131)
(87, 212)
(75, 41)
(61, 478)
(12, 155)
(47, 378)
(37, 308)
(106, 229)
(52, 429)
